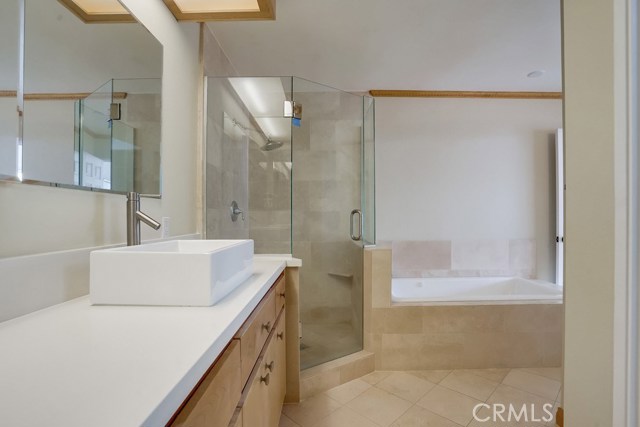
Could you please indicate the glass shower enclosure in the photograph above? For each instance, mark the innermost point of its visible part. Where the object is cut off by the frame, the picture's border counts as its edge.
(296, 158)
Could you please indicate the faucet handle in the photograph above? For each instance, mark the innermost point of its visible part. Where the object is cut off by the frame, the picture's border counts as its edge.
(236, 211)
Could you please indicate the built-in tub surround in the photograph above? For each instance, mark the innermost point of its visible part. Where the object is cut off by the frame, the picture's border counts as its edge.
(464, 258)
(410, 337)
(473, 291)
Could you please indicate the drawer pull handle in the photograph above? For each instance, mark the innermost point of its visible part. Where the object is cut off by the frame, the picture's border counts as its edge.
(267, 326)
(265, 379)
(281, 294)
(280, 335)
(270, 366)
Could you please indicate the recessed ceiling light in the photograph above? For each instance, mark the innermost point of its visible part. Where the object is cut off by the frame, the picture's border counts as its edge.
(535, 74)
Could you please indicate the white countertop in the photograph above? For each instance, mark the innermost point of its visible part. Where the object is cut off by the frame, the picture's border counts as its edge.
(74, 364)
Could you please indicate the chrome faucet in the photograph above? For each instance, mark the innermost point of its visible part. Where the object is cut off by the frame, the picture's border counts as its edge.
(134, 216)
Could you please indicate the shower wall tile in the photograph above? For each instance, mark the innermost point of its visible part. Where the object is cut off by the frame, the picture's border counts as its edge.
(480, 254)
(318, 165)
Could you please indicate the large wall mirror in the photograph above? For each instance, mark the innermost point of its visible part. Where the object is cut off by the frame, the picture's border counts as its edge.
(9, 60)
(92, 100)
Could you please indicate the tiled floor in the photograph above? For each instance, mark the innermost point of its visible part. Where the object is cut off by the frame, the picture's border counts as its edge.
(430, 398)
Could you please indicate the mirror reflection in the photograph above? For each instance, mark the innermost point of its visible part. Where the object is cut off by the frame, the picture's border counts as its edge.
(92, 102)
(9, 42)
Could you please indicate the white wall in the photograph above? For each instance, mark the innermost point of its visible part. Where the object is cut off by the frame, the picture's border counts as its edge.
(467, 169)
(596, 201)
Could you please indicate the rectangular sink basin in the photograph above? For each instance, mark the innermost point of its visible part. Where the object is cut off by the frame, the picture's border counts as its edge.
(178, 272)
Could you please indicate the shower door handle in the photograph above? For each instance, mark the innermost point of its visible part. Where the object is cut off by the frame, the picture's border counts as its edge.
(353, 214)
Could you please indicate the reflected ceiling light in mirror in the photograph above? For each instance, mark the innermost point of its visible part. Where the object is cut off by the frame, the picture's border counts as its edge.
(222, 10)
(98, 11)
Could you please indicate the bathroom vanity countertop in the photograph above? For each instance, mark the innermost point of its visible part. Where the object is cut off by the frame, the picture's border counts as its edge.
(75, 364)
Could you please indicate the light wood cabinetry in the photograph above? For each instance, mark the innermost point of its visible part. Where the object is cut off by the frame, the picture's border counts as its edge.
(255, 331)
(246, 386)
(265, 393)
(214, 400)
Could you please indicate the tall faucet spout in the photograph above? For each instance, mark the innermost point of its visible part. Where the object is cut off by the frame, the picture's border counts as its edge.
(134, 216)
(148, 220)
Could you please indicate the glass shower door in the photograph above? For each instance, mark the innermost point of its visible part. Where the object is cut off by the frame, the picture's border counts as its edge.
(327, 174)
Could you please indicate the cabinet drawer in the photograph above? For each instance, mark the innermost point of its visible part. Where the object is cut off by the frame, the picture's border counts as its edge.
(214, 401)
(263, 403)
(254, 333)
(280, 294)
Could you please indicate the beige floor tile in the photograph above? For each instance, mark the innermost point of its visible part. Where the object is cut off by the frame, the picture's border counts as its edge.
(533, 383)
(312, 410)
(417, 416)
(348, 391)
(506, 395)
(375, 377)
(551, 373)
(469, 384)
(407, 386)
(433, 376)
(345, 417)
(450, 404)
(487, 418)
(287, 422)
(496, 375)
(379, 406)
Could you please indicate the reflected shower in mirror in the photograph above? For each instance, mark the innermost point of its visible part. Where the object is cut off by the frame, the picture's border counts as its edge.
(92, 102)
(9, 43)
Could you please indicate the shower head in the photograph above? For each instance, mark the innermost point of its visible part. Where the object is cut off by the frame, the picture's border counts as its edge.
(271, 145)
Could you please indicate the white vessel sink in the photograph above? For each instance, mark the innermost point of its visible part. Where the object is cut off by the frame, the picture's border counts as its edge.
(178, 272)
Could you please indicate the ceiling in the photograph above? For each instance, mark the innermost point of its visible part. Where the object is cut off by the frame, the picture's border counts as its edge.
(410, 44)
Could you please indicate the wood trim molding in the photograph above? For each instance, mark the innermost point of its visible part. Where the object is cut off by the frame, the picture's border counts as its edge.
(267, 12)
(56, 96)
(463, 94)
(97, 18)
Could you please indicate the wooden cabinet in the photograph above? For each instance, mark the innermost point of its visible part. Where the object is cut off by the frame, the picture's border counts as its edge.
(245, 387)
(265, 393)
(255, 331)
(214, 400)
(280, 294)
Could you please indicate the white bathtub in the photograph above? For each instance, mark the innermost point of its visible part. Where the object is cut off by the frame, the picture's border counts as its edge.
(474, 291)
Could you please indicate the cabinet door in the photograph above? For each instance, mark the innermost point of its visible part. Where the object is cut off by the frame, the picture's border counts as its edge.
(214, 401)
(275, 363)
(256, 405)
(280, 294)
(263, 404)
(281, 358)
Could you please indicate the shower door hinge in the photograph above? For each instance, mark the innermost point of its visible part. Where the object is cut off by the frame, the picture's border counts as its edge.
(292, 110)
(115, 111)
